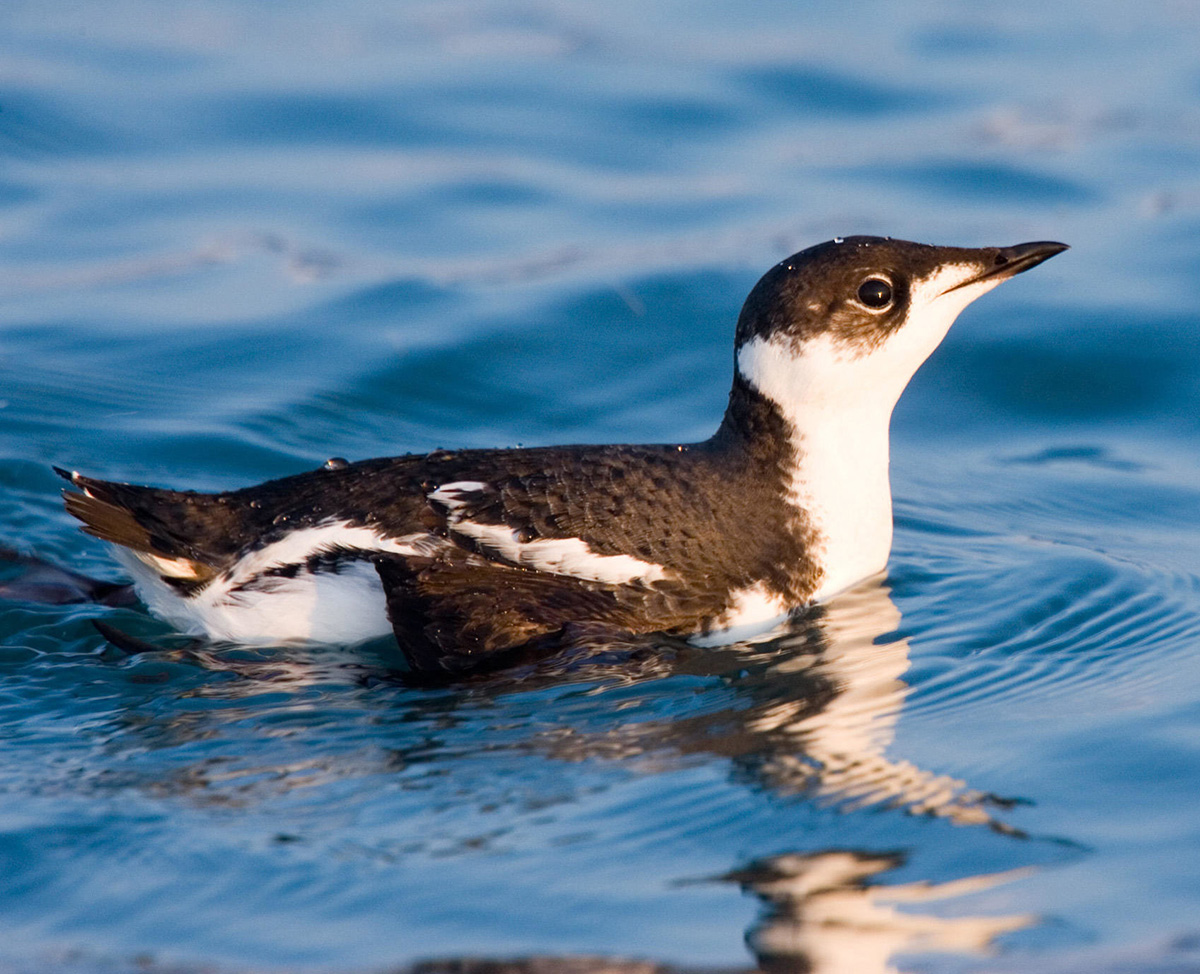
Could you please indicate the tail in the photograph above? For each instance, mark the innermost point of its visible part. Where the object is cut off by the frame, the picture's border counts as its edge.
(180, 535)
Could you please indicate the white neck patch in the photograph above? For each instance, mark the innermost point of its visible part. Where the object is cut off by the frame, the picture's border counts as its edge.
(838, 400)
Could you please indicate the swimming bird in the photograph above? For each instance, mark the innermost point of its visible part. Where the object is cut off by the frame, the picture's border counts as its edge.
(468, 555)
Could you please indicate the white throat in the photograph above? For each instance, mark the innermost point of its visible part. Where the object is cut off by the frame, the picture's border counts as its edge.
(838, 400)
(840, 479)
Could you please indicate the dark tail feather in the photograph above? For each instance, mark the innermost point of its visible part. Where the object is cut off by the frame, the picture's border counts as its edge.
(172, 532)
(102, 514)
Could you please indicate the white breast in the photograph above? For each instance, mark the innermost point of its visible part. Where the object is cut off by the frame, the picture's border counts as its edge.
(840, 481)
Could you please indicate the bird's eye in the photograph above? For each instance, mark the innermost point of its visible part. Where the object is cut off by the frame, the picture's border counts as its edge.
(875, 293)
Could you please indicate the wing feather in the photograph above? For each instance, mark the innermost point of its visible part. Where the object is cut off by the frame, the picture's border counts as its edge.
(460, 611)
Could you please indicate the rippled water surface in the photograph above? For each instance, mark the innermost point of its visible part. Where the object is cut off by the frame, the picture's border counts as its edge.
(239, 238)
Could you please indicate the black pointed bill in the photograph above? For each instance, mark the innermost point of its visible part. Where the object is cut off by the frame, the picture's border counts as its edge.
(1008, 262)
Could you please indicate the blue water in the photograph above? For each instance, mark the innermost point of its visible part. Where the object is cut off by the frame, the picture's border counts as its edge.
(238, 238)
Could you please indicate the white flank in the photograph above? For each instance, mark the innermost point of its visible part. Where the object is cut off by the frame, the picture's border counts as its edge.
(838, 398)
(558, 556)
(347, 606)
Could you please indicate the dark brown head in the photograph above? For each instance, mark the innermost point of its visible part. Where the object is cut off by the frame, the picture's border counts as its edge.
(855, 317)
(860, 290)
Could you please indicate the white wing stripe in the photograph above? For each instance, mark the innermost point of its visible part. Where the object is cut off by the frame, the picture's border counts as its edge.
(298, 546)
(571, 557)
(450, 496)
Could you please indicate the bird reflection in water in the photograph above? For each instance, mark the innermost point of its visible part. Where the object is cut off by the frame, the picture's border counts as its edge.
(809, 709)
(807, 712)
(826, 915)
